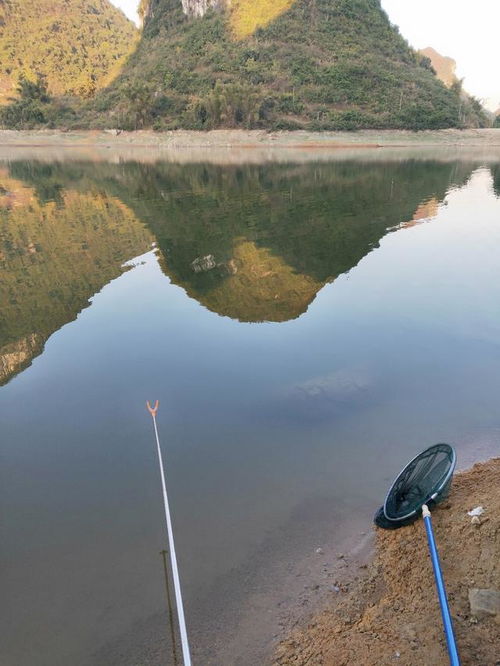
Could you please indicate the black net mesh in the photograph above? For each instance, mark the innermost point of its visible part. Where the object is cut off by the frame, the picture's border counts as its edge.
(427, 474)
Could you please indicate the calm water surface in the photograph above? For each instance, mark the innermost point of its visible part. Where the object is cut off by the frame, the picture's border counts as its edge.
(306, 327)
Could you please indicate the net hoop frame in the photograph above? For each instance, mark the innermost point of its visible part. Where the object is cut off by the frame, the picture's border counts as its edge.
(435, 494)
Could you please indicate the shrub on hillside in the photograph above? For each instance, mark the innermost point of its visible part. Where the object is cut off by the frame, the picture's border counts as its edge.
(227, 105)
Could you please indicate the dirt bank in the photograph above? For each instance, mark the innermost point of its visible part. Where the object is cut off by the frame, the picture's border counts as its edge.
(252, 138)
(390, 615)
(239, 147)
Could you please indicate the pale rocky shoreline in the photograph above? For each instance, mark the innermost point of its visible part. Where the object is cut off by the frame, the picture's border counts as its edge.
(240, 147)
(252, 138)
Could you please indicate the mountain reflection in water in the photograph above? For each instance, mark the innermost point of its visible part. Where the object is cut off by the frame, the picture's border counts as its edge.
(253, 243)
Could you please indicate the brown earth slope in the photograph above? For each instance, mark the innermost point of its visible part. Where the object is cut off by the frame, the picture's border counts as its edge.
(391, 615)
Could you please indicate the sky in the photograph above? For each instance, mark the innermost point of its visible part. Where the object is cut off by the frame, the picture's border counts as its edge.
(129, 7)
(465, 30)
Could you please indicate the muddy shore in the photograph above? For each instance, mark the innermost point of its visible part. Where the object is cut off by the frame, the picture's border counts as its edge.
(390, 613)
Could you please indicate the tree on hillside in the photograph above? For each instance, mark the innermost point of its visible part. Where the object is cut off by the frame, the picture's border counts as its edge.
(34, 106)
(29, 90)
(140, 98)
(27, 110)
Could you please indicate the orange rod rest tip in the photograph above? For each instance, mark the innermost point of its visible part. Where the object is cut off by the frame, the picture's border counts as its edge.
(153, 410)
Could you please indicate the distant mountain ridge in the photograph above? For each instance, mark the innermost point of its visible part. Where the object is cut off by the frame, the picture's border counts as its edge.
(79, 45)
(445, 67)
(280, 64)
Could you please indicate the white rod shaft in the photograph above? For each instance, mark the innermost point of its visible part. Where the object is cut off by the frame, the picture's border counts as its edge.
(173, 559)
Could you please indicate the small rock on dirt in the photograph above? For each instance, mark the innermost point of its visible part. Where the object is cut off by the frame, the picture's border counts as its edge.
(484, 601)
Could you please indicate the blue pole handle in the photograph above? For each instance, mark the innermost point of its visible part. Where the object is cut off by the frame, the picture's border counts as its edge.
(443, 600)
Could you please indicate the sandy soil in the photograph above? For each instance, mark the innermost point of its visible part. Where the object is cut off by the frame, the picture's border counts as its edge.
(391, 615)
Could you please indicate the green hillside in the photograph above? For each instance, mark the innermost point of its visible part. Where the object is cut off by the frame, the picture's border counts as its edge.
(78, 45)
(316, 64)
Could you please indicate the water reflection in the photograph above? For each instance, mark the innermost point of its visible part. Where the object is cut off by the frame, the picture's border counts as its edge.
(252, 243)
(268, 428)
(495, 172)
(58, 248)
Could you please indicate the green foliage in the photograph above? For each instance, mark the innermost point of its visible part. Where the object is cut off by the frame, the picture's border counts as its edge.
(496, 122)
(140, 98)
(79, 45)
(34, 90)
(29, 108)
(34, 107)
(426, 63)
(227, 105)
(319, 65)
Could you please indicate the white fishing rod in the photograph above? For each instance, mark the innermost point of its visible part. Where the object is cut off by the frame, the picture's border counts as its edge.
(173, 559)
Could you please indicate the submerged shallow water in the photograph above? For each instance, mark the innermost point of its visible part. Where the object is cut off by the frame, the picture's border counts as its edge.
(307, 329)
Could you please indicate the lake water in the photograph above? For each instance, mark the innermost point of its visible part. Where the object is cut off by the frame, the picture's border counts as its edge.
(307, 327)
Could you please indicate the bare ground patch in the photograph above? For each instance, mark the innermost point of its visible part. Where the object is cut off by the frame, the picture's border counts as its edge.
(391, 615)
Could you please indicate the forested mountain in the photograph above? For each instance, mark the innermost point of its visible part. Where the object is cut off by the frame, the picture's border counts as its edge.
(204, 64)
(78, 45)
(318, 64)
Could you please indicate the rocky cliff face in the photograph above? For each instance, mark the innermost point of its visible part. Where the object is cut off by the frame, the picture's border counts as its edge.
(16, 356)
(191, 8)
(199, 8)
